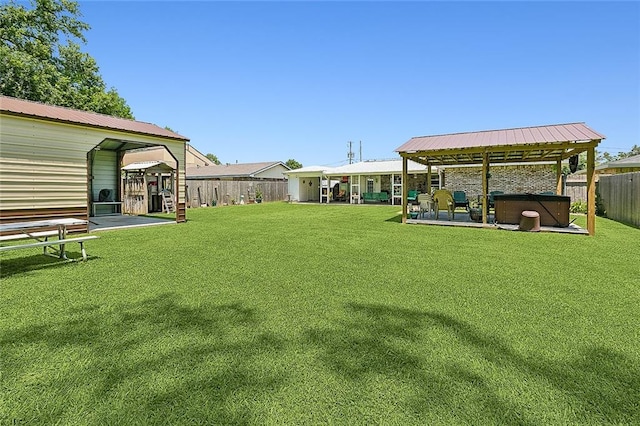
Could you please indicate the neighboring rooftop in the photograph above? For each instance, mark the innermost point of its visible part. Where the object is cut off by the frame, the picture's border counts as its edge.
(233, 170)
(368, 167)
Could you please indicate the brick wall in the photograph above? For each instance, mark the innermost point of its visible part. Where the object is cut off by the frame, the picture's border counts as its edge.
(509, 179)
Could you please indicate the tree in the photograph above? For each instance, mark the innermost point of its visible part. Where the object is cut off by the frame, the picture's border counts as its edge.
(607, 158)
(293, 164)
(40, 59)
(213, 158)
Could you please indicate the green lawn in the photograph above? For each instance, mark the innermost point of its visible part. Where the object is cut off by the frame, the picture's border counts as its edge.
(302, 314)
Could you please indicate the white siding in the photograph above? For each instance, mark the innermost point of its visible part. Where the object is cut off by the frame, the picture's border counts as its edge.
(275, 172)
(294, 189)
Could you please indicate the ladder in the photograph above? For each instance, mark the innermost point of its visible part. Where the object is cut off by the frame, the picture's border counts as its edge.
(167, 201)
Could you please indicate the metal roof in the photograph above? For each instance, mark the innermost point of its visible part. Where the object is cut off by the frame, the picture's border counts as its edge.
(315, 170)
(145, 165)
(376, 168)
(525, 144)
(232, 170)
(628, 162)
(371, 167)
(42, 111)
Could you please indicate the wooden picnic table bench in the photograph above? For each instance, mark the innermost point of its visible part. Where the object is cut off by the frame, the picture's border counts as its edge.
(40, 231)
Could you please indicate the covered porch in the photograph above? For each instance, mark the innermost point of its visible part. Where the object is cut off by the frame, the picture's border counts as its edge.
(529, 144)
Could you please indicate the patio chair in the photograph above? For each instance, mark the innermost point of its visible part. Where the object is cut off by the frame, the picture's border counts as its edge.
(443, 200)
(460, 200)
(426, 204)
(412, 196)
(491, 200)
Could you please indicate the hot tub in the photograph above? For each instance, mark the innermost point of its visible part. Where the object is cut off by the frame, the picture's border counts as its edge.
(553, 209)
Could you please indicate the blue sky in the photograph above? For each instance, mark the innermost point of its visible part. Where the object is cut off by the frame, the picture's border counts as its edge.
(270, 81)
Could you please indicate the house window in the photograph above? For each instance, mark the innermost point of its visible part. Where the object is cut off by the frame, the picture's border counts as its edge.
(369, 185)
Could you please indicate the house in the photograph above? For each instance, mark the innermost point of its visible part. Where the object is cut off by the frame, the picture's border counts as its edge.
(236, 183)
(576, 183)
(193, 157)
(314, 183)
(624, 165)
(56, 161)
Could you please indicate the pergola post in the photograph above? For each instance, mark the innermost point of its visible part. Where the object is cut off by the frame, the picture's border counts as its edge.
(485, 187)
(428, 178)
(591, 191)
(404, 189)
(559, 176)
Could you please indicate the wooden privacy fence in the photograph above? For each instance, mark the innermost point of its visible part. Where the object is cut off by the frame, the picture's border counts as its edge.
(200, 192)
(620, 197)
(575, 186)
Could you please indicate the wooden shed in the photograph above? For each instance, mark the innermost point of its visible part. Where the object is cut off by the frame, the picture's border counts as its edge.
(148, 187)
(55, 161)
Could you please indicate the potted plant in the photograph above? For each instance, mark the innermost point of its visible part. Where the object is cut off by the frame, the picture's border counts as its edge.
(475, 212)
(258, 195)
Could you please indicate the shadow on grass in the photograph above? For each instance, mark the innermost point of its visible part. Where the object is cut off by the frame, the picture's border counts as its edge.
(373, 341)
(395, 219)
(154, 361)
(25, 264)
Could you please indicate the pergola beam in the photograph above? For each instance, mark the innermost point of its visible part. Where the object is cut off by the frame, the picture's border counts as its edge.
(591, 191)
(485, 188)
(404, 188)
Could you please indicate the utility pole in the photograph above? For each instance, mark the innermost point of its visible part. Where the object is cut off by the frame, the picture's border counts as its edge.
(361, 151)
(350, 154)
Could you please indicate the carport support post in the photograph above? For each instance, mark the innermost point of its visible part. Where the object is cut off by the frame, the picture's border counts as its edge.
(404, 189)
(485, 187)
(591, 191)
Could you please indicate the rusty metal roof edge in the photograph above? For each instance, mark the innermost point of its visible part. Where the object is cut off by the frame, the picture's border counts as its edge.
(23, 112)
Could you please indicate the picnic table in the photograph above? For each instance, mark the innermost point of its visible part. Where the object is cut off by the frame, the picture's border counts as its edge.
(40, 231)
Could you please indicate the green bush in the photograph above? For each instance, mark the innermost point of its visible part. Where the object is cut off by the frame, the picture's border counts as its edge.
(578, 207)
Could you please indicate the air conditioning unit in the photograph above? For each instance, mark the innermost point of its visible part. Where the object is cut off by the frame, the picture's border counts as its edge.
(105, 195)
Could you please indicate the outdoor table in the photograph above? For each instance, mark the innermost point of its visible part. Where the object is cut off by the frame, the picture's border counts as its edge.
(35, 230)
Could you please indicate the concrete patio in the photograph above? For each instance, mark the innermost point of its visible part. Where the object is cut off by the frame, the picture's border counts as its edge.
(463, 219)
(101, 223)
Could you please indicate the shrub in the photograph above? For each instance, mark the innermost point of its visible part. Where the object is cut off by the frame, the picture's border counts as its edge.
(578, 207)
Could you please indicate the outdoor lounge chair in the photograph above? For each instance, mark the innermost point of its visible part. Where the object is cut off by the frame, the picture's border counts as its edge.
(412, 196)
(426, 204)
(460, 200)
(443, 200)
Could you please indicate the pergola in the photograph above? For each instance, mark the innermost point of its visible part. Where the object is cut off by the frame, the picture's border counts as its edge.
(527, 144)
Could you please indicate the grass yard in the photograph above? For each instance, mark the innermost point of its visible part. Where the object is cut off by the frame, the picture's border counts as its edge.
(304, 314)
